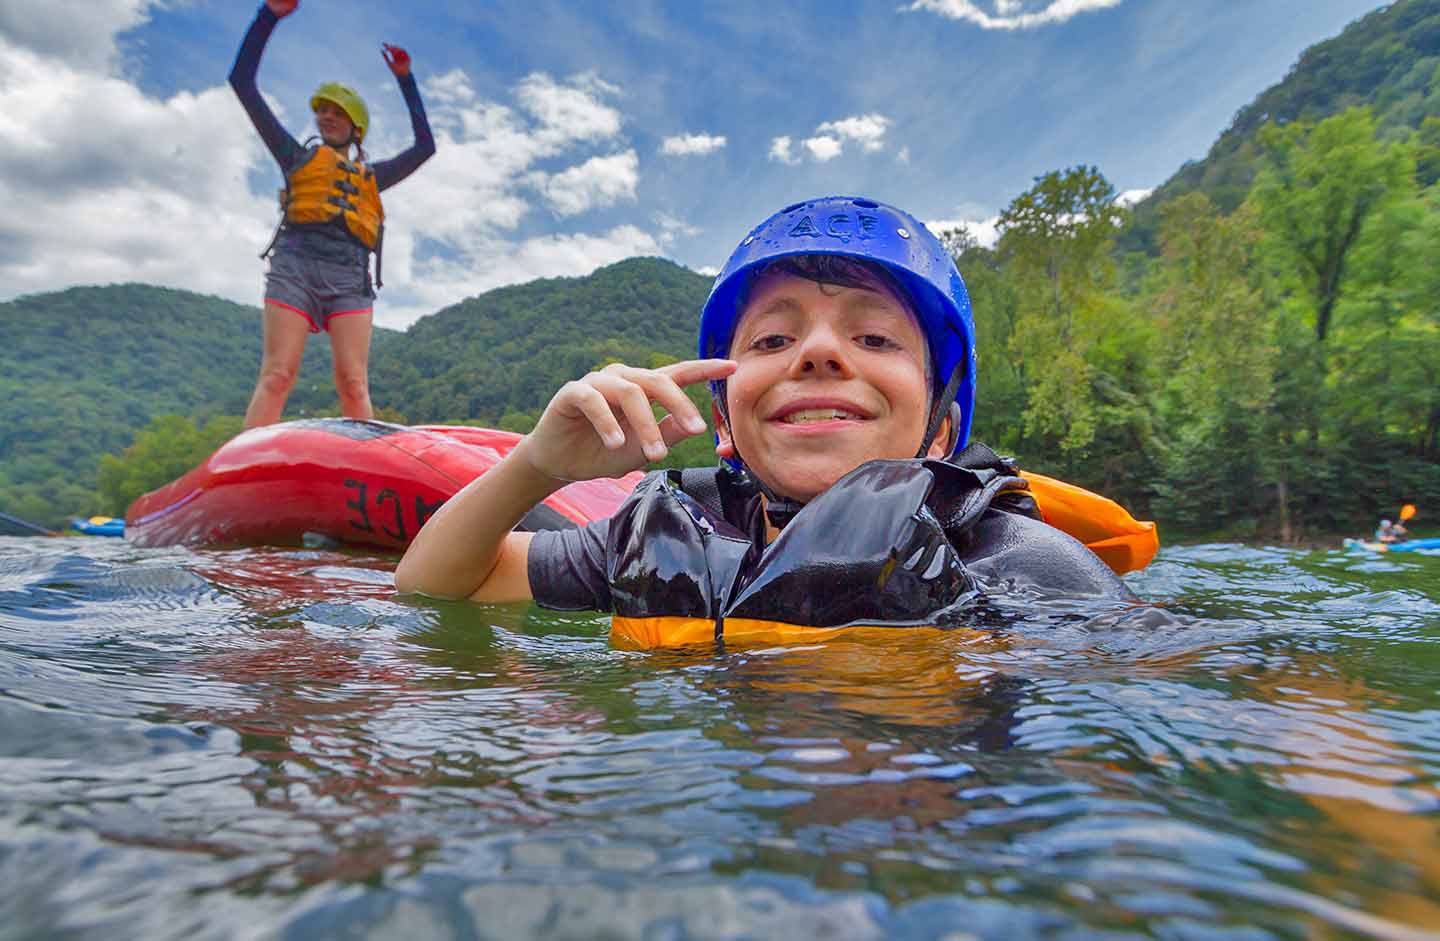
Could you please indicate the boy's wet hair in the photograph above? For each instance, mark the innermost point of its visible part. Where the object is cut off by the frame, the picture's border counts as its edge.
(836, 270)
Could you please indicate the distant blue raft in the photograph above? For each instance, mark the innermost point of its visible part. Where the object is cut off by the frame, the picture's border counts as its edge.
(1409, 545)
(100, 526)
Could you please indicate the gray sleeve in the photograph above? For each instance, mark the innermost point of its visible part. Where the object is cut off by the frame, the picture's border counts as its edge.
(1007, 547)
(568, 568)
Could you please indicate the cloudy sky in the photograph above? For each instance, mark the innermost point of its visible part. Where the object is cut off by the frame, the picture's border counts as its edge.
(573, 134)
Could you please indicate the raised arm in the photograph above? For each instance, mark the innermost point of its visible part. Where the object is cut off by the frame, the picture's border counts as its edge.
(283, 147)
(392, 171)
(599, 426)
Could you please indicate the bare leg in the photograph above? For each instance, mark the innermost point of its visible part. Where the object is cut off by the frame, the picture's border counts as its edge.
(350, 349)
(285, 332)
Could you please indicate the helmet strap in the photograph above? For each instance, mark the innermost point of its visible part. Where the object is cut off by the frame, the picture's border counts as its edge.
(778, 510)
(942, 408)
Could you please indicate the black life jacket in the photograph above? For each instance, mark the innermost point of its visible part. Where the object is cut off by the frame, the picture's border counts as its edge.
(876, 548)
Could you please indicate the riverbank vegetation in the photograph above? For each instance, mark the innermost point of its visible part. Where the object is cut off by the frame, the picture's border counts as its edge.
(1253, 352)
(1270, 372)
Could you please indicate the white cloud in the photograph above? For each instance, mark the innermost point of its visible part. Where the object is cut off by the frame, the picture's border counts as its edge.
(597, 183)
(104, 183)
(687, 145)
(1012, 14)
(867, 130)
(449, 226)
(569, 112)
(670, 226)
(823, 148)
(984, 231)
(80, 33)
(494, 262)
(780, 151)
(1129, 198)
(451, 88)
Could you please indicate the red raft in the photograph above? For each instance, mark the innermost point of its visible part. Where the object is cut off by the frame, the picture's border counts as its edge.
(360, 483)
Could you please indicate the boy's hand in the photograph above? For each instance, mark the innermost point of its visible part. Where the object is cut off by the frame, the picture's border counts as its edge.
(282, 8)
(395, 57)
(603, 426)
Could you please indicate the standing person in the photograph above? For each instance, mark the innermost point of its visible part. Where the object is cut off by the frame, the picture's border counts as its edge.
(319, 276)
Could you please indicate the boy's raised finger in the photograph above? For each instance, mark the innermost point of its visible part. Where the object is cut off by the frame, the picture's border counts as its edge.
(595, 406)
(673, 432)
(633, 401)
(691, 371)
(665, 392)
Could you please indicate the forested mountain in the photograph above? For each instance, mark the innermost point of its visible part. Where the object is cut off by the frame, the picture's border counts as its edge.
(1269, 367)
(83, 370)
(508, 350)
(1388, 60)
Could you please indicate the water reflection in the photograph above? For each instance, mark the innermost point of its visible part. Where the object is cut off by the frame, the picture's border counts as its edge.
(270, 742)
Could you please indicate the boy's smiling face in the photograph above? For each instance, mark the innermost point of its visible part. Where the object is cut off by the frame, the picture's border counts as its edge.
(829, 377)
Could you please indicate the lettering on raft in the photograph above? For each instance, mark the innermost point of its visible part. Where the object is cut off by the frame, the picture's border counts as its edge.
(389, 509)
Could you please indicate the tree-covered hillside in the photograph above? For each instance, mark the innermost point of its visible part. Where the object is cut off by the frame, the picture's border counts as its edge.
(83, 370)
(507, 351)
(1388, 60)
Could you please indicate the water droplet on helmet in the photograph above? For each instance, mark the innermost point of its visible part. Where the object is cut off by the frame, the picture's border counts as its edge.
(903, 233)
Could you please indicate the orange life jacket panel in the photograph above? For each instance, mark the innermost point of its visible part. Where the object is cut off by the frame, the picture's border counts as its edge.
(329, 186)
(1107, 529)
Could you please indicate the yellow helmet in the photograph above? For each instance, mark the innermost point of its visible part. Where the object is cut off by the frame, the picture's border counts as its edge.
(345, 97)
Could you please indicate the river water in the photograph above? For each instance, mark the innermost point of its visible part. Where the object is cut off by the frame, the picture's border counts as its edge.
(269, 743)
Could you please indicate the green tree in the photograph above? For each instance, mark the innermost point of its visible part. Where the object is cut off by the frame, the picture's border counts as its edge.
(1331, 199)
(1422, 299)
(1427, 146)
(1056, 248)
(1000, 377)
(1215, 348)
(1320, 187)
(165, 449)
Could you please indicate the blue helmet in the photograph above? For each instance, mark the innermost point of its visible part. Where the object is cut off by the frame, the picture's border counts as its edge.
(867, 231)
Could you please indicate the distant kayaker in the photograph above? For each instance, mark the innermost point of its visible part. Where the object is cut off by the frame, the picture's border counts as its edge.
(1389, 532)
(332, 221)
(840, 353)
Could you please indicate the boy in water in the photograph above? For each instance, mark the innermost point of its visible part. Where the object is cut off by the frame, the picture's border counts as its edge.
(839, 348)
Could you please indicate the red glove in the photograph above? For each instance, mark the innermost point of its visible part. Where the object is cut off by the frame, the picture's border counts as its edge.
(282, 8)
(395, 57)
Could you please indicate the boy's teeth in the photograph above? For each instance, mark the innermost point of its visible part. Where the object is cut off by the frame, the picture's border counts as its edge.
(817, 414)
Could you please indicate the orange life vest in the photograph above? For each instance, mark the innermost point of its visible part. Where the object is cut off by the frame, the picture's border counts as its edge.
(328, 186)
(1107, 529)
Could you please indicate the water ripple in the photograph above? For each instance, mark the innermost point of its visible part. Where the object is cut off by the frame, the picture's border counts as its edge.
(270, 743)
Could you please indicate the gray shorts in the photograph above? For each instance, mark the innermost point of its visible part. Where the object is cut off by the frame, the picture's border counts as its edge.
(318, 290)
